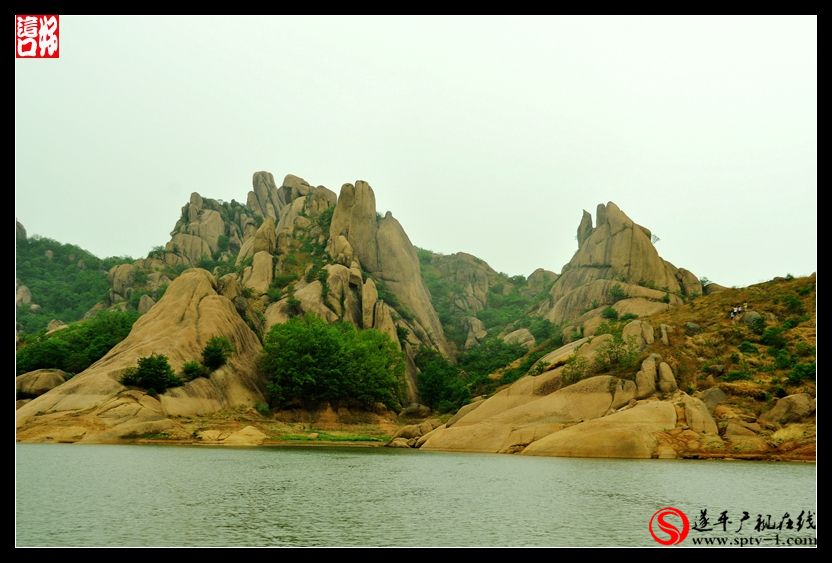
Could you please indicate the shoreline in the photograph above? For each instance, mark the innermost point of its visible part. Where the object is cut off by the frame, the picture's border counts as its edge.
(378, 444)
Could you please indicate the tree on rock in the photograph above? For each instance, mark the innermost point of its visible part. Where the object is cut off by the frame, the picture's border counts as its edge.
(216, 352)
(152, 373)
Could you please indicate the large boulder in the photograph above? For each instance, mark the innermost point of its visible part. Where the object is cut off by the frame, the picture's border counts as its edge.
(626, 434)
(667, 381)
(698, 417)
(529, 409)
(36, 383)
(145, 304)
(521, 336)
(23, 296)
(792, 408)
(248, 436)
(712, 397)
(647, 377)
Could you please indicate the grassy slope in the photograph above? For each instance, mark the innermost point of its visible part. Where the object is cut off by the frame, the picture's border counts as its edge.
(723, 353)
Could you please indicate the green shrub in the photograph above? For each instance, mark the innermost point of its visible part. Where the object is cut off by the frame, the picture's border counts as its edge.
(293, 304)
(324, 219)
(804, 349)
(617, 355)
(263, 409)
(609, 313)
(153, 373)
(402, 333)
(216, 352)
(757, 325)
(793, 304)
(789, 324)
(779, 391)
(312, 273)
(538, 368)
(307, 361)
(541, 329)
(192, 370)
(323, 277)
(802, 372)
(139, 277)
(782, 359)
(736, 375)
(159, 292)
(529, 366)
(617, 293)
(274, 293)
(222, 243)
(282, 280)
(805, 290)
(575, 369)
(626, 317)
(747, 347)
(666, 298)
(773, 336)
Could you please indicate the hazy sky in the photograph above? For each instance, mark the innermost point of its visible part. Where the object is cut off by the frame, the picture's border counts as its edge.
(484, 135)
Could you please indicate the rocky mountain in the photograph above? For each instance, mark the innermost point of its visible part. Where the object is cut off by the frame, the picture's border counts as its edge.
(236, 270)
(590, 361)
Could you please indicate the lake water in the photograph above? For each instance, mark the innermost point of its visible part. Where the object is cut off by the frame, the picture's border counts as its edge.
(100, 495)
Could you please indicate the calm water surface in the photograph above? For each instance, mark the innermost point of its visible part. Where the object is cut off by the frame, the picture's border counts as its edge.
(164, 495)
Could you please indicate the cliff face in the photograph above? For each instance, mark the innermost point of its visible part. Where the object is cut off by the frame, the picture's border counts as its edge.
(380, 246)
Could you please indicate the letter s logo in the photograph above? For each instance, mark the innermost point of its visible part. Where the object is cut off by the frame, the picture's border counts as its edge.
(674, 534)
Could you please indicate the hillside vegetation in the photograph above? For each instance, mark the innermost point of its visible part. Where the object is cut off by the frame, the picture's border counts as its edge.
(765, 353)
(64, 280)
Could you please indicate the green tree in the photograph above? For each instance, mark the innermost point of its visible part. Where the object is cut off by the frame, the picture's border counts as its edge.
(307, 361)
(216, 352)
(488, 357)
(152, 373)
(74, 348)
(440, 384)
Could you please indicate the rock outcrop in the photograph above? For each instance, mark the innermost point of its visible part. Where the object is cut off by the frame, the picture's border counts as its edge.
(616, 263)
(95, 407)
(23, 296)
(384, 250)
